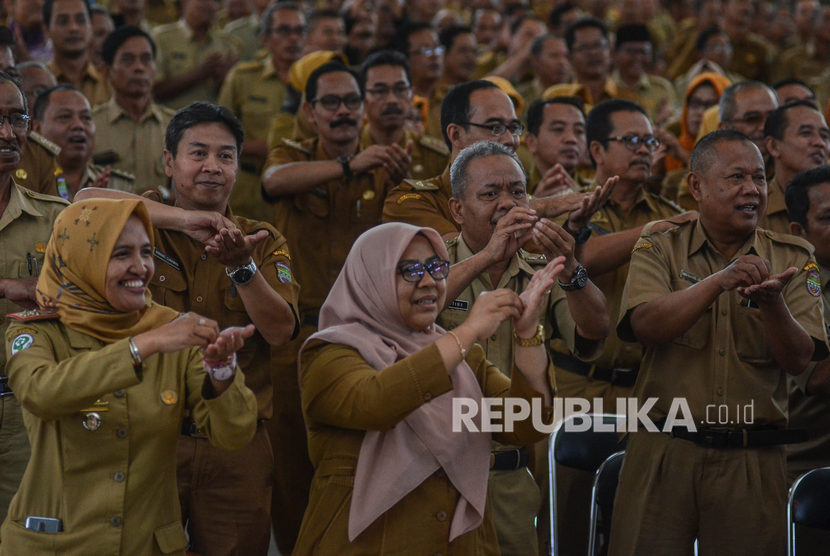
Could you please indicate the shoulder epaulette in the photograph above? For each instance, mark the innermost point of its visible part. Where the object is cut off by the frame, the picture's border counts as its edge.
(167, 110)
(164, 28)
(43, 196)
(452, 241)
(667, 202)
(39, 139)
(123, 174)
(251, 65)
(296, 146)
(789, 239)
(33, 315)
(421, 185)
(434, 144)
(533, 258)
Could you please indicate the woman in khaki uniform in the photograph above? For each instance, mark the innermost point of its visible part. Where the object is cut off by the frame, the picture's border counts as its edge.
(105, 381)
(378, 384)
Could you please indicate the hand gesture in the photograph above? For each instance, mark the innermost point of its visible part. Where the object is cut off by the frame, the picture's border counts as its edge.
(513, 230)
(579, 218)
(204, 226)
(21, 292)
(745, 271)
(555, 241)
(768, 291)
(233, 248)
(393, 158)
(103, 179)
(188, 330)
(228, 342)
(490, 310)
(534, 297)
(555, 205)
(556, 180)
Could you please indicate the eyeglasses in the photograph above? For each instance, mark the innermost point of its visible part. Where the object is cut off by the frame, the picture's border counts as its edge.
(497, 130)
(331, 103)
(400, 91)
(413, 271)
(594, 47)
(634, 142)
(285, 30)
(19, 122)
(753, 119)
(428, 51)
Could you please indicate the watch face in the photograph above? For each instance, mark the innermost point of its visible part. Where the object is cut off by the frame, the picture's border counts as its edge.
(242, 275)
(222, 373)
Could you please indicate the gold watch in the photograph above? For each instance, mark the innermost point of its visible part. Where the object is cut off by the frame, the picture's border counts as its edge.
(530, 342)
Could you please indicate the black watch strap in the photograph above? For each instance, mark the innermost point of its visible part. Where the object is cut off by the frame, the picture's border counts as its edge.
(344, 160)
(581, 235)
(578, 281)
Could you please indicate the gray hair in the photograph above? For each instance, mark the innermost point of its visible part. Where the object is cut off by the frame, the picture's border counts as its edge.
(728, 106)
(268, 14)
(482, 149)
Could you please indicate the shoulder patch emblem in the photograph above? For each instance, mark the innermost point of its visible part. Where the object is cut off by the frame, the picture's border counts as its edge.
(421, 185)
(283, 272)
(406, 196)
(21, 342)
(434, 144)
(40, 247)
(813, 279)
(169, 397)
(642, 245)
(282, 253)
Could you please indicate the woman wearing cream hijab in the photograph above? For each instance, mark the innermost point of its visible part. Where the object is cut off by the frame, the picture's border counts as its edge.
(105, 377)
(378, 383)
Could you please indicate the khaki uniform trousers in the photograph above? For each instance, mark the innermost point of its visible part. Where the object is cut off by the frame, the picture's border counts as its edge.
(14, 451)
(672, 491)
(516, 501)
(226, 496)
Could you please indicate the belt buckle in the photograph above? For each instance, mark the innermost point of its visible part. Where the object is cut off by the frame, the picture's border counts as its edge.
(618, 372)
(518, 458)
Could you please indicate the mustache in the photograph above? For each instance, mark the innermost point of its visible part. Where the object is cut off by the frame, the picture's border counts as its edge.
(394, 109)
(343, 121)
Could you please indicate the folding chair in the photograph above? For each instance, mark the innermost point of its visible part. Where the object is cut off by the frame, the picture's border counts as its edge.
(809, 504)
(602, 495)
(585, 450)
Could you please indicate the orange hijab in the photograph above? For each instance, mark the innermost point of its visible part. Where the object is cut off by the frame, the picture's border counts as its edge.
(75, 268)
(686, 139)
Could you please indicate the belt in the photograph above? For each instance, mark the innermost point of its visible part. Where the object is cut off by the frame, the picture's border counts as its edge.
(509, 460)
(738, 438)
(190, 429)
(311, 319)
(618, 376)
(5, 389)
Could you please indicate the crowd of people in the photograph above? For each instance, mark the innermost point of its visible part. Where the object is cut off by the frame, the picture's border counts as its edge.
(251, 252)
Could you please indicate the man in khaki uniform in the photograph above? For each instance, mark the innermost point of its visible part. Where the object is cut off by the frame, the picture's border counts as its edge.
(328, 193)
(69, 27)
(419, 42)
(245, 32)
(62, 115)
(385, 79)
(549, 60)
(726, 311)
(26, 220)
(808, 201)
(752, 55)
(797, 139)
(255, 92)
(489, 185)
(244, 278)
(193, 57)
(130, 125)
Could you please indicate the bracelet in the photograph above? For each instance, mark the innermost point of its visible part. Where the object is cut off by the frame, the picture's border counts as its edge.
(536, 340)
(458, 341)
(134, 353)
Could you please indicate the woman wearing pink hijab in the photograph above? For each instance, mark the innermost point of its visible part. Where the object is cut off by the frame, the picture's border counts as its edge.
(378, 383)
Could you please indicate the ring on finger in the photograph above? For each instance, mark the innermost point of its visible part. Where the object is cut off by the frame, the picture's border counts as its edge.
(201, 322)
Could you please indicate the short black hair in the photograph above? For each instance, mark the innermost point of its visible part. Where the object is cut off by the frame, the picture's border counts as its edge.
(539, 43)
(316, 15)
(777, 121)
(383, 58)
(202, 113)
(536, 112)
(99, 9)
(634, 32)
(794, 81)
(797, 194)
(117, 38)
(268, 14)
(583, 23)
(329, 67)
(704, 151)
(555, 17)
(8, 78)
(43, 99)
(47, 11)
(447, 37)
(455, 108)
(705, 35)
(519, 21)
(401, 40)
(598, 126)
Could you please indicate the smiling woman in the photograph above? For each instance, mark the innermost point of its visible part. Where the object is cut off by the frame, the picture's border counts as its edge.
(104, 380)
(378, 383)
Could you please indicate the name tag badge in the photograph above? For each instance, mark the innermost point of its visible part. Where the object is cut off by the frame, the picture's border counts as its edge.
(459, 305)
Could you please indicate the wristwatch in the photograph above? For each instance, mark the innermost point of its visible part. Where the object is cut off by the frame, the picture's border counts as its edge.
(344, 160)
(241, 275)
(581, 235)
(578, 280)
(221, 370)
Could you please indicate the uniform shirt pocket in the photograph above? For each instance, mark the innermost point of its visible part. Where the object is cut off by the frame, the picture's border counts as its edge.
(750, 338)
(170, 538)
(168, 285)
(696, 336)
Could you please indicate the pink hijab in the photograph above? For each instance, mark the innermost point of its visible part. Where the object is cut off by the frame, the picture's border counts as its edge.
(361, 311)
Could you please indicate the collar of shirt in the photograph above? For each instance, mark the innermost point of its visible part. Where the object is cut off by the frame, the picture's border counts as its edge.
(90, 72)
(115, 112)
(700, 238)
(268, 68)
(643, 82)
(18, 204)
(189, 36)
(776, 201)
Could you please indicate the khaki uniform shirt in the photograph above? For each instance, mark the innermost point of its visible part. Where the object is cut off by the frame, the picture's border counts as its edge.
(609, 219)
(179, 52)
(422, 203)
(430, 155)
(327, 378)
(95, 88)
(810, 411)
(433, 123)
(321, 224)
(37, 167)
(112, 483)
(159, 12)
(119, 180)
(25, 227)
(139, 145)
(723, 359)
(610, 90)
(776, 218)
(652, 92)
(186, 279)
(752, 57)
(244, 33)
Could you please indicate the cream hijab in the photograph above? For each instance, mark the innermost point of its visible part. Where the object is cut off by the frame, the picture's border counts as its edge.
(361, 311)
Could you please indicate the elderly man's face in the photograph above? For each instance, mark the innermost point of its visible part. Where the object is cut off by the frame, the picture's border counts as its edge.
(487, 106)
(388, 96)
(285, 36)
(616, 158)
(336, 124)
(753, 106)
(805, 143)
(494, 185)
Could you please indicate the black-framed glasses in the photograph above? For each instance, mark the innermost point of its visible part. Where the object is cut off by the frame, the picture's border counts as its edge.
(413, 271)
(428, 51)
(497, 130)
(754, 119)
(382, 91)
(332, 102)
(19, 122)
(285, 30)
(634, 142)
